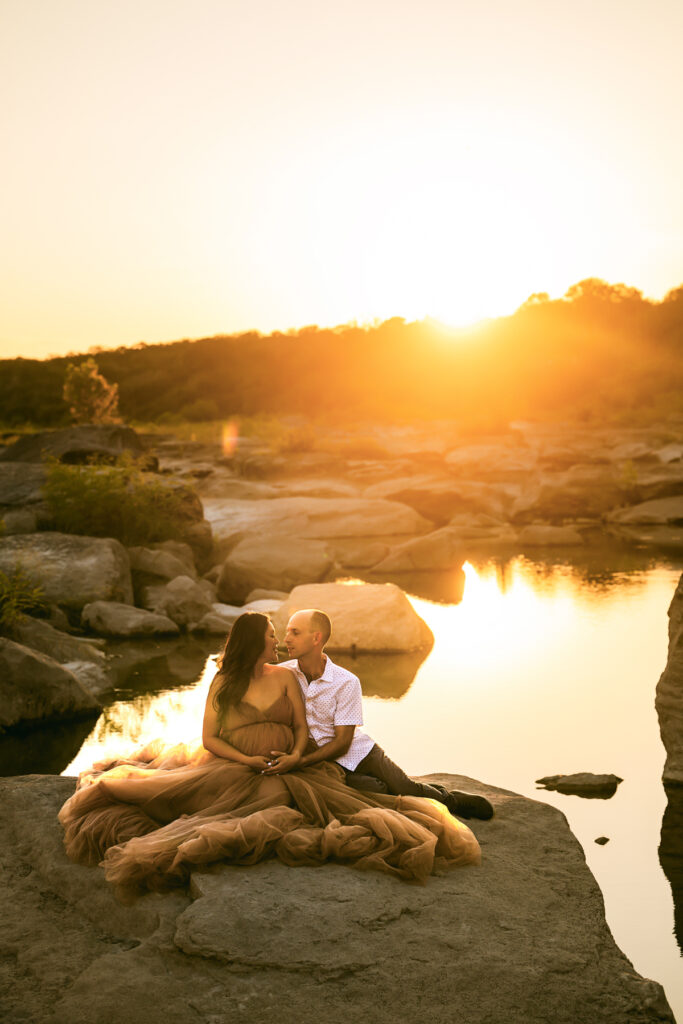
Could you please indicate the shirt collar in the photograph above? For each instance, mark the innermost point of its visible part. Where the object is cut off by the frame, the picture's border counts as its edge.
(327, 674)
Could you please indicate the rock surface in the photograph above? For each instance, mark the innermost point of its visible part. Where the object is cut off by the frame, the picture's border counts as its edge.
(71, 570)
(271, 563)
(111, 618)
(669, 699)
(365, 616)
(34, 687)
(436, 551)
(521, 939)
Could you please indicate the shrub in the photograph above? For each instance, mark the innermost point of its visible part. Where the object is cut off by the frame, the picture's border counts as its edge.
(18, 595)
(90, 397)
(120, 501)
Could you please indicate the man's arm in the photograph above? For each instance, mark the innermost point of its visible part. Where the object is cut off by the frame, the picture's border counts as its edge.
(330, 751)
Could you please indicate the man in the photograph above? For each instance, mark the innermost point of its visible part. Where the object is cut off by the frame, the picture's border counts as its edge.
(333, 700)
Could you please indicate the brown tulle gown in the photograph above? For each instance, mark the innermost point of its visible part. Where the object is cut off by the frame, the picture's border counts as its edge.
(155, 816)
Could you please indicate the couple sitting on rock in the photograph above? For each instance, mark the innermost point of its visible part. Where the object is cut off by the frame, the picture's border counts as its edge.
(283, 770)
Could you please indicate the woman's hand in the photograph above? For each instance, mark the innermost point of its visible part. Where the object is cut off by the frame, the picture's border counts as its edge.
(281, 762)
(258, 762)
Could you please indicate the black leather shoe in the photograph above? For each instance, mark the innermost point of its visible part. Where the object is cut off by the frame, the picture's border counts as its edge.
(467, 805)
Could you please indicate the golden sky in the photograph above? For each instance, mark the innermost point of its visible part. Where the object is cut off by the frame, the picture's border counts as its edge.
(177, 169)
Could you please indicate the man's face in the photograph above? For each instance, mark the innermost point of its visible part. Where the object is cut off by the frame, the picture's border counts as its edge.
(299, 638)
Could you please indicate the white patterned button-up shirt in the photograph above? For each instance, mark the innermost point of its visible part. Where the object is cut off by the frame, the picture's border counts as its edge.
(334, 699)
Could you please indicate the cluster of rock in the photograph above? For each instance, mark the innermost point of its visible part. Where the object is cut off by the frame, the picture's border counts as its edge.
(261, 524)
(432, 500)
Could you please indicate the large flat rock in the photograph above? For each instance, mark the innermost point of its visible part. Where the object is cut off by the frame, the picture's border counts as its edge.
(521, 939)
(312, 518)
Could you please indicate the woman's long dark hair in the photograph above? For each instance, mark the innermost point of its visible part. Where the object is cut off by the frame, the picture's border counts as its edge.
(244, 647)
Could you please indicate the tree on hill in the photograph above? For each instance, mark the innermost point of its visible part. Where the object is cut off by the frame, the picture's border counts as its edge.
(89, 395)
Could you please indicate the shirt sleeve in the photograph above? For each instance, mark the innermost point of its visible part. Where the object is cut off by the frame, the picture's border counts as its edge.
(349, 709)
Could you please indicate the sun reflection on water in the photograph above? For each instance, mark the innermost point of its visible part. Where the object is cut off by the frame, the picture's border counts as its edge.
(174, 716)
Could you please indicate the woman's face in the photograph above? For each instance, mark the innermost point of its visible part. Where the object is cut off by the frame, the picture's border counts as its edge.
(270, 649)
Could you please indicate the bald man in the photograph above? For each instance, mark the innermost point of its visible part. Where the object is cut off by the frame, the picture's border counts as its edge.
(334, 712)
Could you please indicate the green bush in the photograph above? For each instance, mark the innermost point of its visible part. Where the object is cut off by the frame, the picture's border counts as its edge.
(120, 501)
(18, 595)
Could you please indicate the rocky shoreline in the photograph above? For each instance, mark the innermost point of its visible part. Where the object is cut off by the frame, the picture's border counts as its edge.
(385, 505)
(521, 939)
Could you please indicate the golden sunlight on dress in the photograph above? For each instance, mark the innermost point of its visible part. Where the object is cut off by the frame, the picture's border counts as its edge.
(153, 817)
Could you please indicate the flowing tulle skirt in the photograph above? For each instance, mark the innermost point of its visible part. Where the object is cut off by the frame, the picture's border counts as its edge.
(152, 818)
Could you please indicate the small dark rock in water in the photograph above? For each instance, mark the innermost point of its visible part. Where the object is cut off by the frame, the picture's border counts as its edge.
(601, 840)
(600, 787)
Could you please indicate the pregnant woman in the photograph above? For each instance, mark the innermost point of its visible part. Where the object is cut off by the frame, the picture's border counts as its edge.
(241, 796)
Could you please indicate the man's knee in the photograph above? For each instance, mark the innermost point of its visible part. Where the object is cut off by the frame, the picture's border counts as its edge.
(366, 783)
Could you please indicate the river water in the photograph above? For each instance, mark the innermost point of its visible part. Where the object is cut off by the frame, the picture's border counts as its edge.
(539, 667)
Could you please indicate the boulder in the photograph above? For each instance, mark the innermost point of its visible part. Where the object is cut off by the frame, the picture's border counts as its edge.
(521, 939)
(218, 621)
(63, 647)
(72, 571)
(365, 616)
(21, 484)
(159, 561)
(439, 498)
(35, 687)
(583, 490)
(361, 554)
(497, 461)
(262, 594)
(436, 551)
(670, 453)
(184, 601)
(582, 784)
(273, 563)
(80, 444)
(111, 618)
(660, 512)
(549, 536)
(312, 519)
(92, 677)
(669, 698)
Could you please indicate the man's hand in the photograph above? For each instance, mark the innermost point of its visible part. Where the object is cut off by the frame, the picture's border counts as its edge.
(281, 762)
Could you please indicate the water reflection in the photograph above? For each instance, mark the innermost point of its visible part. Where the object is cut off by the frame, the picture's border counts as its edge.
(671, 853)
(154, 665)
(388, 676)
(44, 750)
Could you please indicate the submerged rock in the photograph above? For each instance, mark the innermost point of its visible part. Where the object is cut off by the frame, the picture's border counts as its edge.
(521, 939)
(601, 787)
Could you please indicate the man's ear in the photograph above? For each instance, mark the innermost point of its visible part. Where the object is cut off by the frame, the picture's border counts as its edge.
(317, 636)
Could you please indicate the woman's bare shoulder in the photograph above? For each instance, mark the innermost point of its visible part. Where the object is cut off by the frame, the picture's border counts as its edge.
(278, 672)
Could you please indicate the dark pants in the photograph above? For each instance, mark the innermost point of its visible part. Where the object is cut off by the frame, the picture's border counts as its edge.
(377, 773)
